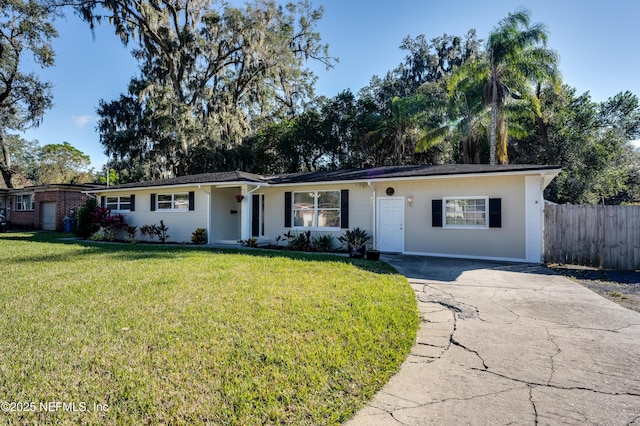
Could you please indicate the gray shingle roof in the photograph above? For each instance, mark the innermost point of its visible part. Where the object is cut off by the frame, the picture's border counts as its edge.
(376, 173)
(390, 172)
(220, 177)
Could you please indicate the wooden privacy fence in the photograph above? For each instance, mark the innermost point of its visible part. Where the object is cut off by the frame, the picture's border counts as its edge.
(593, 235)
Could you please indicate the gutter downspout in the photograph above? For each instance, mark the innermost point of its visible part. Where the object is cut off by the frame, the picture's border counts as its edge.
(373, 215)
(208, 212)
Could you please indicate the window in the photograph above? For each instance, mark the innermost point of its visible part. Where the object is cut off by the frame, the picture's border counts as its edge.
(179, 202)
(466, 212)
(118, 203)
(24, 202)
(316, 209)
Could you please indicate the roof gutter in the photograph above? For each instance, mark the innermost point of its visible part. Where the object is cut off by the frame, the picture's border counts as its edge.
(548, 174)
(181, 185)
(551, 173)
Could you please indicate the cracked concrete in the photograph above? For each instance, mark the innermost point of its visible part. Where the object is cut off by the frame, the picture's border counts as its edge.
(510, 344)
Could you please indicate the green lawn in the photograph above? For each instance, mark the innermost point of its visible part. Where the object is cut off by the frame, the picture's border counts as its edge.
(181, 335)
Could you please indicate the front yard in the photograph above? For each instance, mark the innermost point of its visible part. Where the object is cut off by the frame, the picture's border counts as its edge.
(138, 334)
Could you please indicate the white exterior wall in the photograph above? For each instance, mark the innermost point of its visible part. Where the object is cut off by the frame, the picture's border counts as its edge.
(518, 239)
(506, 242)
(181, 224)
(360, 208)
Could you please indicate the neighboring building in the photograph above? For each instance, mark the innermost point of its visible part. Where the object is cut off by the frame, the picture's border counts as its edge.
(474, 211)
(43, 207)
(4, 197)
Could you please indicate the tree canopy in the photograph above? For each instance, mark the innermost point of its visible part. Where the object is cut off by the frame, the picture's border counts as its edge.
(223, 87)
(63, 163)
(25, 29)
(208, 76)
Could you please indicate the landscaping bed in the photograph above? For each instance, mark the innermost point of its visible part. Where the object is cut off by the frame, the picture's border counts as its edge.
(144, 334)
(622, 287)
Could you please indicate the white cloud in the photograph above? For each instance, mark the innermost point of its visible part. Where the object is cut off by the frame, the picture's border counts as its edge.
(82, 120)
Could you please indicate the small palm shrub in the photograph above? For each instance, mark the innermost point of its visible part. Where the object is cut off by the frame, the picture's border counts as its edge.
(199, 236)
(355, 241)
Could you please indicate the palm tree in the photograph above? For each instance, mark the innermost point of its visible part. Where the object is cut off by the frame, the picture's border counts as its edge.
(516, 58)
(400, 131)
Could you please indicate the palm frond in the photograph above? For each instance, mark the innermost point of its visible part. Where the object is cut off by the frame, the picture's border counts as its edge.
(432, 138)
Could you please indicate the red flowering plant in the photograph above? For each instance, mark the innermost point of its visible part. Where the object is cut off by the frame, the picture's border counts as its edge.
(107, 222)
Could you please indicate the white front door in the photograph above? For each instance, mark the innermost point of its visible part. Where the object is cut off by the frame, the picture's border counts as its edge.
(390, 236)
(48, 211)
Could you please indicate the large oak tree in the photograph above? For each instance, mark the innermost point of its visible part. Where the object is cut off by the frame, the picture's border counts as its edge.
(209, 74)
(25, 29)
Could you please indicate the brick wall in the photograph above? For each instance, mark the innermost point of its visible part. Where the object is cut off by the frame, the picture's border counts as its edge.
(64, 199)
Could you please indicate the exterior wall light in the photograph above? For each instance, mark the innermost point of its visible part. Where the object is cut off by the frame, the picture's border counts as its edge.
(410, 200)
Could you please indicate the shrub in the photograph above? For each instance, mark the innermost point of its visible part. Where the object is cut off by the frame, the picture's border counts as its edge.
(249, 242)
(97, 236)
(299, 242)
(355, 241)
(162, 232)
(86, 226)
(131, 233)
(199, 236)
(323, 243)
(149, 230)
(153, 231)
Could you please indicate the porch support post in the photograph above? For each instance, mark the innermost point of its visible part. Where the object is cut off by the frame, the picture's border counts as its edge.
(374, 224)
(245, 213)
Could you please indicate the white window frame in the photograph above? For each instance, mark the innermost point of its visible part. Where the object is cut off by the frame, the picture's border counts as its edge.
(173, 202)
(20, 202)
(118, 203)
(464, 226)
(315, 210)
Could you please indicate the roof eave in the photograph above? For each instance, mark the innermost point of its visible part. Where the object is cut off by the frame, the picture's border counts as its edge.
(179, 185)
(547, 173)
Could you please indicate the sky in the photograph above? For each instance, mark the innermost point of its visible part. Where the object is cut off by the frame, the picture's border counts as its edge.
(598, 43)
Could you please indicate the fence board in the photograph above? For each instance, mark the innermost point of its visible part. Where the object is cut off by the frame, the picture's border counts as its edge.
(593, 235)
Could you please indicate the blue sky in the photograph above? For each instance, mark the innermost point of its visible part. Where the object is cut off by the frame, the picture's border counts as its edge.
(598, 44)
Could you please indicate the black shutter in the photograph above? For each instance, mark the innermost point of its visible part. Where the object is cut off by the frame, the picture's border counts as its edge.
(436, 213)
(287, 210)
(192, 205)
(103, 201)
(133, 202)
(344, 208)
(153, 202)
(495, 212)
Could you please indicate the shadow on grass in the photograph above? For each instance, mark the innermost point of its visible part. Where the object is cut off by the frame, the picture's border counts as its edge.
(118, 251)
(377, 267)
(144, 251)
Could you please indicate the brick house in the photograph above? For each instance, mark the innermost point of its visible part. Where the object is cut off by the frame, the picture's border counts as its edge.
(43, 207)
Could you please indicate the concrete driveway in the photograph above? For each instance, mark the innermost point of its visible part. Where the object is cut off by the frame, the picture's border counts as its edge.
(507, 343)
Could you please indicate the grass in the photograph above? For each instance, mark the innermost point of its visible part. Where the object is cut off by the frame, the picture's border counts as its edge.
(618, 295)
(177, 335)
